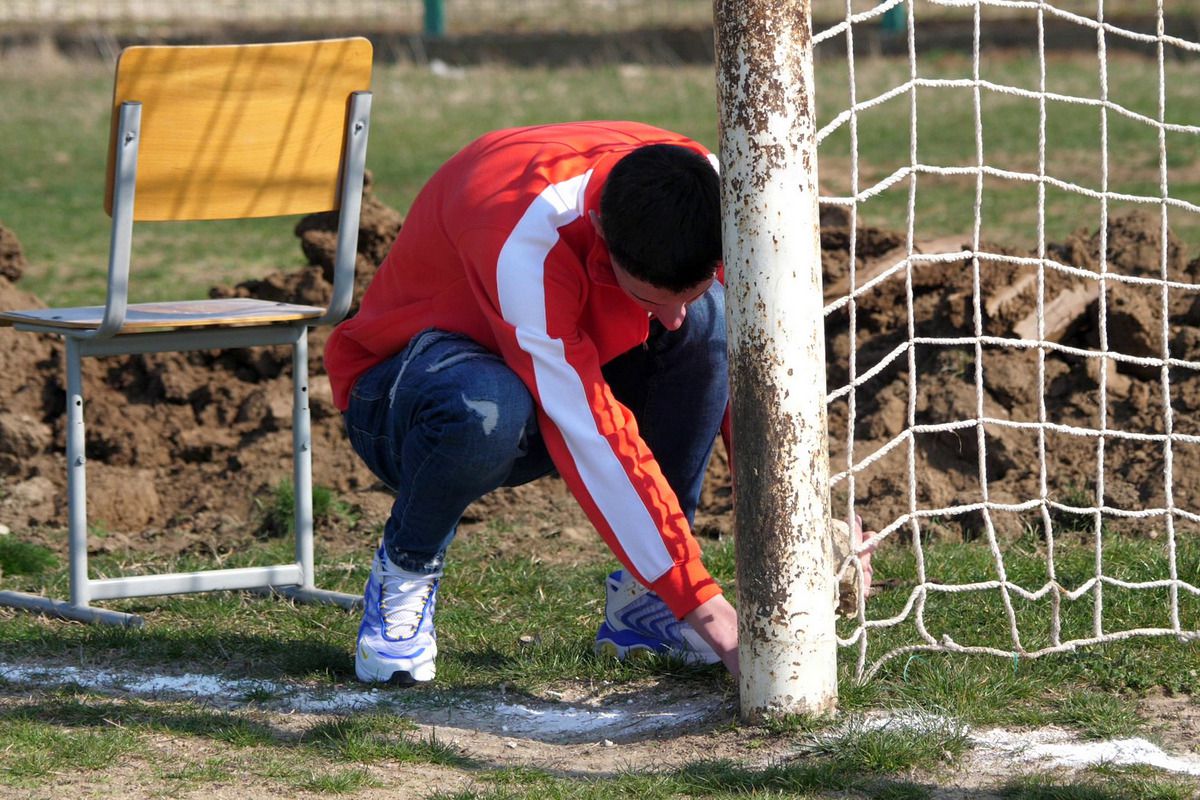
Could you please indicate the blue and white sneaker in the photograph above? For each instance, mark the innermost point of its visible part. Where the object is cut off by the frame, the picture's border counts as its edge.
(636, 620)
(397, 642)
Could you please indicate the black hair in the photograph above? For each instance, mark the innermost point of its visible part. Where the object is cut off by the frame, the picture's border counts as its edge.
(660, 211)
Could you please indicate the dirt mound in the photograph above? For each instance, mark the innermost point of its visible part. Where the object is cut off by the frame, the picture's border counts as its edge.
(945, 464)
(377, 229)
(12, 259)
(185, 449)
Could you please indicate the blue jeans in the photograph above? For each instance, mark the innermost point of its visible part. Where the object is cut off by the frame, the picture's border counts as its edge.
(445, 421)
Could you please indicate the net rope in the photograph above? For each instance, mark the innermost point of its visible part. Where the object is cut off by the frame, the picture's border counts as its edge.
(904, 355)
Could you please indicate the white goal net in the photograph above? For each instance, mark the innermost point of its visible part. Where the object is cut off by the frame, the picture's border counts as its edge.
(1011, 240)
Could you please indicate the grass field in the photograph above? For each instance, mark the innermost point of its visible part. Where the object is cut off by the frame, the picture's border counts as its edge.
(53, 134)
(489, 608)
(946, 137)
(53, 131)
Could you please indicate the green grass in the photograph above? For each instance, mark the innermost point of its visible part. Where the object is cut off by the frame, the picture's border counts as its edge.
(945, 135)
(1098, 715)
(277, 514)
(18, 557)
(1091, 689)
(368, 738)
(488, 602)
(31, 750)
(871, 762)
(74, 730)
(1103, 783)
(486, 606)
(581, 16)
(894, 747)
(339, 782)
(79, 710)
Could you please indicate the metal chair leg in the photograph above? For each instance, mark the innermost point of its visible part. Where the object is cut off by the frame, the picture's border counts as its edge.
(302, 459)
(77, 529)
(77, 532)
(76, 478)
(295, 580)
(302, 484)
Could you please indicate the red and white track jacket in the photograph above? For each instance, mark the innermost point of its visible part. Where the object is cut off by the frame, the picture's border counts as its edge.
(498, 246)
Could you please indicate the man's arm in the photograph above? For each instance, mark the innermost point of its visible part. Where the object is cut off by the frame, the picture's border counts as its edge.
(533, 293)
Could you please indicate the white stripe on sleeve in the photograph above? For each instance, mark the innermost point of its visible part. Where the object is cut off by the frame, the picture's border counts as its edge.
(520, 281)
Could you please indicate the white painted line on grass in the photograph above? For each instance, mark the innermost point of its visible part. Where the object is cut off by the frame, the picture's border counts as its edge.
(548, 721)
(1060, 749)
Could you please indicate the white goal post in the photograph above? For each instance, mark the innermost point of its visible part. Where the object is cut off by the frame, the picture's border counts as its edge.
(785, 576)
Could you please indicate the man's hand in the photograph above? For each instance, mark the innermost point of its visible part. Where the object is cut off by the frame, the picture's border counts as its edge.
(857, 537)
(847, 541)
(716, 622)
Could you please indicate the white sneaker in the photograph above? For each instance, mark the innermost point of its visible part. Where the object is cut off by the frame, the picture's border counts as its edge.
(397, 642)
(637, 620)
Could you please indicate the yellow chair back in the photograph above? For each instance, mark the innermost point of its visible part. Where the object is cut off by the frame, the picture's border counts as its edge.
(239, 130)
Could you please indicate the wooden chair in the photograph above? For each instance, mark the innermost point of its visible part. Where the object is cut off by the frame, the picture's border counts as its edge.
(205, 133)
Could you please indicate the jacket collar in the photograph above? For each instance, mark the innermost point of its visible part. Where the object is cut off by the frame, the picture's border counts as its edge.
(598, 262)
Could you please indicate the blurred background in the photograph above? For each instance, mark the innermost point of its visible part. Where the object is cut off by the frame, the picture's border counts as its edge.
(447, 70)
(548, 32)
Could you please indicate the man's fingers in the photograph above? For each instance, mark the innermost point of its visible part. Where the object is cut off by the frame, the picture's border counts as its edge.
(859, 536)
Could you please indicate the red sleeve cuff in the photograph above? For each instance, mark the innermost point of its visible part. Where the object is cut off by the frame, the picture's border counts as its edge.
(686, 587)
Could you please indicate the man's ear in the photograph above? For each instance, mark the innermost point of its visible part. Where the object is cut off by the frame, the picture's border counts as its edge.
(595, 220)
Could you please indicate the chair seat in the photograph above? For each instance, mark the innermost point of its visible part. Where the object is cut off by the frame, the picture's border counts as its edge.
(152, 317)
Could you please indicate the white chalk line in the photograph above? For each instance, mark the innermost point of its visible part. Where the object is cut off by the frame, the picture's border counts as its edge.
(1044, 747)
(503, 715)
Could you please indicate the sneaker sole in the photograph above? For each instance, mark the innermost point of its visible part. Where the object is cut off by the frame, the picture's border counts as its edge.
(400, 677)
(610, 649)
(622, 645)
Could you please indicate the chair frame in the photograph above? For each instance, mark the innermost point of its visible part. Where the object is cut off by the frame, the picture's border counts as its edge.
(294, 580)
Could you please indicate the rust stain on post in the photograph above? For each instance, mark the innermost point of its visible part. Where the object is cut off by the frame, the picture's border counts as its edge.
(760, 81)
(767, 438)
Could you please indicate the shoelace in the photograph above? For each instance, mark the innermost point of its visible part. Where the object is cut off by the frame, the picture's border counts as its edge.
(403, 604)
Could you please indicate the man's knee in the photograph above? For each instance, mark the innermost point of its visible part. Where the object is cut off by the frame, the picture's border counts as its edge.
(500, 410)
(481, 415)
